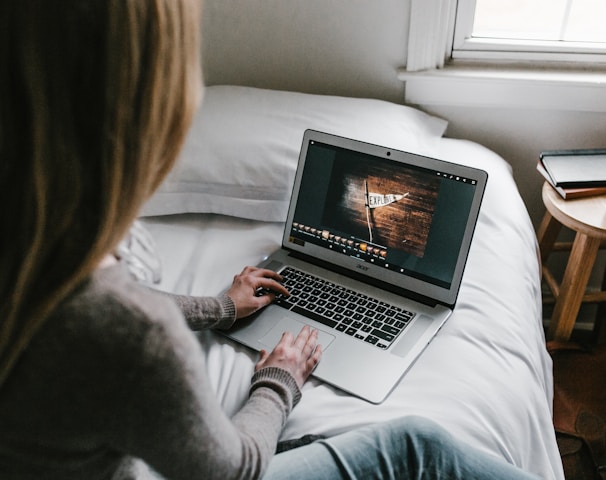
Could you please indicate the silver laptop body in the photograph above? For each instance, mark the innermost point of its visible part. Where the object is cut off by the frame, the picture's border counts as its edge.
(392, 226)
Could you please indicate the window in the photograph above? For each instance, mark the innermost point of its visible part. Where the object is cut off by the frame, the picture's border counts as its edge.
(534, 30)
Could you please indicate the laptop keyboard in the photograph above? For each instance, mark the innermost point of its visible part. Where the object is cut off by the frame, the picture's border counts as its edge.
(358, 315)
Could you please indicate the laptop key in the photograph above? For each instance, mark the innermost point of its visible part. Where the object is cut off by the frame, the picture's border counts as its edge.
(400, 325)
(284, 303)
(403, 316)
(314, 316)
(384, 335)
(390, 329)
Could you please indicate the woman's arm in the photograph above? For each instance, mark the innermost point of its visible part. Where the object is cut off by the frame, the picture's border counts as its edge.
(240, 301)
(171, 417)
(206, 312)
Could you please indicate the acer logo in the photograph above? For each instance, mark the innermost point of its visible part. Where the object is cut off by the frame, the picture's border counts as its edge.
(361, 267)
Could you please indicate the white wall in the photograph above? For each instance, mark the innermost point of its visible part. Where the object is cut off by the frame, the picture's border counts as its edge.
(338, 47)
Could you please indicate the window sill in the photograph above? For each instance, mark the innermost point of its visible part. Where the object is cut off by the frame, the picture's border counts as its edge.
(507, 87)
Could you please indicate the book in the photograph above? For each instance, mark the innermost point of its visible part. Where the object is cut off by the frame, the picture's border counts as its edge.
(570, 193)
(580, 168)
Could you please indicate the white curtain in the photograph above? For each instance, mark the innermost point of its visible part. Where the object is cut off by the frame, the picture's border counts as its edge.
(430, 34)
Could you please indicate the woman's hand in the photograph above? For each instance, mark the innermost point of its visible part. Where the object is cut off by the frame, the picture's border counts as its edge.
(246, 286)
(299, 355)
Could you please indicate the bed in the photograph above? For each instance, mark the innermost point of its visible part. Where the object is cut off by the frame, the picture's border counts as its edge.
(486, 377)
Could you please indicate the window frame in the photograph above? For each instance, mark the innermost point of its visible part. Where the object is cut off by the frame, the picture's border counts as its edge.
(466, 47)
(432, 77)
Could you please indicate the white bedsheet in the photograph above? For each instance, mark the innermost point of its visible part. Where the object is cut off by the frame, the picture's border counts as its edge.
(486, 377)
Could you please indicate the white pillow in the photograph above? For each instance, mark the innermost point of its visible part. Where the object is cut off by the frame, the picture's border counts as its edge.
(241, 154)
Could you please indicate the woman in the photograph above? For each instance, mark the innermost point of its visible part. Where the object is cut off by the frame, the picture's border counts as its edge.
(100, 378)
(97, 98)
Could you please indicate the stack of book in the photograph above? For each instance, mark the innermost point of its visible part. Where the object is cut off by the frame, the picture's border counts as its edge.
(574, 173)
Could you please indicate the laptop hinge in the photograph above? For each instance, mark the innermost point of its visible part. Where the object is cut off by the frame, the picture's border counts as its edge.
(362, 278)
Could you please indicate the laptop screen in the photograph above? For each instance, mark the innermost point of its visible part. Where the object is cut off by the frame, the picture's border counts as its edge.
(402, 218)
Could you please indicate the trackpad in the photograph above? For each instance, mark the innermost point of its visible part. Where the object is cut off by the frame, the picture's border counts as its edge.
(271, 338)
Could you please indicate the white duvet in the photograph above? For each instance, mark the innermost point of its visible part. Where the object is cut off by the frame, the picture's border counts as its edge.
(486, 377)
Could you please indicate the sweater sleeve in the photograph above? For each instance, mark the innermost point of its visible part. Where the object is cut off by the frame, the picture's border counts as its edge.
(205, 312)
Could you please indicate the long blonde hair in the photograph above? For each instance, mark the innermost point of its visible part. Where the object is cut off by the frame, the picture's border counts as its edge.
(96, 98)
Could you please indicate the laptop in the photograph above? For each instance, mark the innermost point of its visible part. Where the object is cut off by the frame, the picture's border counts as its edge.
(373, 253)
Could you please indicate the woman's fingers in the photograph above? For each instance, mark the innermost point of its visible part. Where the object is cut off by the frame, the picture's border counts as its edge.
(298, 355)
(254, 288)
(263, 354)
(314, 359)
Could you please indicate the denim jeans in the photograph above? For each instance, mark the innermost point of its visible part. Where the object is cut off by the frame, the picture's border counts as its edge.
(406, 448)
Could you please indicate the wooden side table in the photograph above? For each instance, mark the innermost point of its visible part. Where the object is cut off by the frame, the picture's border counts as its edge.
(587, 217)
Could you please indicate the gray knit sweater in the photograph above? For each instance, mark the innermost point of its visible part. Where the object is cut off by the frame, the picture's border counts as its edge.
(116, 381)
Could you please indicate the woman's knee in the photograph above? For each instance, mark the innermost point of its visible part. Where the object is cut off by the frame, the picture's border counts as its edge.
(419, 430)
